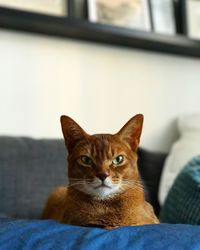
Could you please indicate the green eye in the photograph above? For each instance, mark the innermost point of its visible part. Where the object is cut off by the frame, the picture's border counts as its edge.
(86, 160)
(118, 160)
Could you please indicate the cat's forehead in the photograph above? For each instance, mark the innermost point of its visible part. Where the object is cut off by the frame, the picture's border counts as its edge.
(103, 139)
(105, 142)
(100, 141)
(102, 147)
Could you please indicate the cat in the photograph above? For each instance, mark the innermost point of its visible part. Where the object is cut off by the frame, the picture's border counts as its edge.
(104, 188)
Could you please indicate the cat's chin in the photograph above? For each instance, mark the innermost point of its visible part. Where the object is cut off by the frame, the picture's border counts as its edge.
(102, 192)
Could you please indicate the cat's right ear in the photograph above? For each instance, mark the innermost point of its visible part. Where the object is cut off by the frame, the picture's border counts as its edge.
(72, 132)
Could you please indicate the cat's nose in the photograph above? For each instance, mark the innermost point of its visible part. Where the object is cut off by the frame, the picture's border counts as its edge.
(102, 175)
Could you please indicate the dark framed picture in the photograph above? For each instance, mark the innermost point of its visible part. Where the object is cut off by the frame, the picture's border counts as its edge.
(50, 7)
(134, 14)
(192, 15)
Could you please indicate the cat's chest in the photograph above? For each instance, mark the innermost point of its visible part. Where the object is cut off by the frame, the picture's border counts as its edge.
(98, 213)
(97, 208)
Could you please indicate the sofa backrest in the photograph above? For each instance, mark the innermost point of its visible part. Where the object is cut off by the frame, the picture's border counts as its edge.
(30, 169)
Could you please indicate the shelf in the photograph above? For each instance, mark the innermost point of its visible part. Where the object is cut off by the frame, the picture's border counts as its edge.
(93, 32)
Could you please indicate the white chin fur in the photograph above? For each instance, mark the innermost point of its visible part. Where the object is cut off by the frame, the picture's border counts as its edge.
(101, 192)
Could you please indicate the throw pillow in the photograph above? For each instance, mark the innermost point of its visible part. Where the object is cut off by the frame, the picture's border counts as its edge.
(184, 149)
(183, 201)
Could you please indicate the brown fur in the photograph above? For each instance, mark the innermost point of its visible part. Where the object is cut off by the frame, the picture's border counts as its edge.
(76, 205)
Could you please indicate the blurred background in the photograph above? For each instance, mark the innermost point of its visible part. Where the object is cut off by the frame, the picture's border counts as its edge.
(100, 85)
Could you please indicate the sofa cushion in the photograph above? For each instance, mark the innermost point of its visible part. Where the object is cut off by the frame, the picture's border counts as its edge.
(29, 170)
(3, 216)
(184, 149)
(183, 201)
(35, 234)
(150, 167)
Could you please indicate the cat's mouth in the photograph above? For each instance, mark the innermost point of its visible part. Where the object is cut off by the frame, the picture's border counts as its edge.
(102, 185)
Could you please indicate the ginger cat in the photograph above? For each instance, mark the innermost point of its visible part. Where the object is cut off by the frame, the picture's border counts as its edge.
(104, 185)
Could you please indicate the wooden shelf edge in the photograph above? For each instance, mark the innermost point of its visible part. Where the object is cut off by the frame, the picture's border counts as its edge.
(93, 32)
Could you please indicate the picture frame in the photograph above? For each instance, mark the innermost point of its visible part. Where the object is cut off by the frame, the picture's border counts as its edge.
(163, 16)
(191, 11)
(134, 14)
(179, 15)
(48, 7)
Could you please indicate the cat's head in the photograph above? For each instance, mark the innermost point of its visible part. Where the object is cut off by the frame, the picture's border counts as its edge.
(102, 165)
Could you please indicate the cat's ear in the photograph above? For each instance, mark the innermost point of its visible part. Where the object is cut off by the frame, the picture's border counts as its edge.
(72, 132)
(132, 130)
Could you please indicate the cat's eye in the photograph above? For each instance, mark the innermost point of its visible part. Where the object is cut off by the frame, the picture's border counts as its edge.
(118, 160)
(86, 160)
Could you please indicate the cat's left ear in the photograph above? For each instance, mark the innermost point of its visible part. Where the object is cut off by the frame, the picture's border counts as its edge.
(132, 130)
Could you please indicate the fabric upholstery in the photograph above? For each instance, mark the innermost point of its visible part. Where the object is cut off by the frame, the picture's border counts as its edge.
(184, 149)
(183, 201)
(150, 167)
(29, 170)
(43, 235)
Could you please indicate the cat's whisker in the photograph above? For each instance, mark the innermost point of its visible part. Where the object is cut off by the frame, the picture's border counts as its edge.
(76, 183)
(126, 183)
(80, 179)
(133, 182)
(76, 179)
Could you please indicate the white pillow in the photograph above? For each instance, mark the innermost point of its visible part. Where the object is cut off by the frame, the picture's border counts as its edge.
(185, 148)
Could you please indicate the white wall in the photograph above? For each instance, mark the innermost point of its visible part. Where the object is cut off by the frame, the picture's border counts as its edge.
(99, 86)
